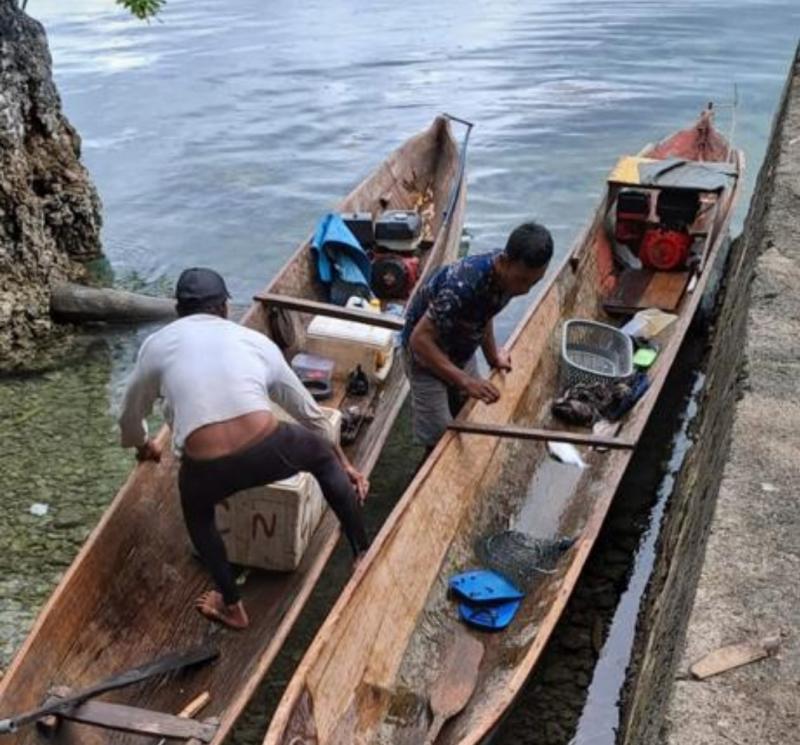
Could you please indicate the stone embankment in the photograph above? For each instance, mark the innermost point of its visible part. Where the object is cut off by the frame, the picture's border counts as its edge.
(730, 551)
(49, 208)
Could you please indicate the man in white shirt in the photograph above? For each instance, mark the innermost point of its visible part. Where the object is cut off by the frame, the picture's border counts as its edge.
(218, 379)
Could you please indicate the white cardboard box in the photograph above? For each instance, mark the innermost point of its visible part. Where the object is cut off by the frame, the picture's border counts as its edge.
(269, 527)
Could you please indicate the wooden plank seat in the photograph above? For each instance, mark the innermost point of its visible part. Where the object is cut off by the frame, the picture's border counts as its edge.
(638, 289)
(131, 719)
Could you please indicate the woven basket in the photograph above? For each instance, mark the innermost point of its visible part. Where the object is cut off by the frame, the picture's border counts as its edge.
(594, 352)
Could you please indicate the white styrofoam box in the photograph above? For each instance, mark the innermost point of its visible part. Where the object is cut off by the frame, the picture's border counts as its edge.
(349, 344)
(270, 526)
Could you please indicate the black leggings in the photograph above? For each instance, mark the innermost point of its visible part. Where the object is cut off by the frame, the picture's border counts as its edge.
(291, 448)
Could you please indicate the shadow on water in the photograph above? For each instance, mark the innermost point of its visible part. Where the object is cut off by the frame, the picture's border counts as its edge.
(600, 717)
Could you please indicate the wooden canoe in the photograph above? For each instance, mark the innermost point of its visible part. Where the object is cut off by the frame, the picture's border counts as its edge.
(368, 675)
(128, 596)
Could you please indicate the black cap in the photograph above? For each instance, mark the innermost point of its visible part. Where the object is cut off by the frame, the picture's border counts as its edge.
(199, 285)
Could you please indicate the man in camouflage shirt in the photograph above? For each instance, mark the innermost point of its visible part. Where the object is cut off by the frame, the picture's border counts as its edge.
(451, 316)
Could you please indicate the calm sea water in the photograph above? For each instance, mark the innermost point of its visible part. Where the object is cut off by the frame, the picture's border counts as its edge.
(219, 133)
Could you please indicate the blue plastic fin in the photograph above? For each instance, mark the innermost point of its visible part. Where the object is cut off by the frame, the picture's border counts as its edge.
(483, 586)
(489, 617)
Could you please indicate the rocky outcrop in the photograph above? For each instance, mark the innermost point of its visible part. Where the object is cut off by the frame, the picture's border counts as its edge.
(49, 208)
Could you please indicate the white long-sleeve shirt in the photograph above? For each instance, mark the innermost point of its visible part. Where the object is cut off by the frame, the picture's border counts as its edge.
(208, 369)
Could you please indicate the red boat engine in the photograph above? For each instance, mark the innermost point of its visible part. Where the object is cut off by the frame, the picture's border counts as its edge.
(664, 249)
(394, 277)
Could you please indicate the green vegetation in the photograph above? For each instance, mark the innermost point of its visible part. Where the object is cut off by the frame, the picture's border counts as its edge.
(143, 9)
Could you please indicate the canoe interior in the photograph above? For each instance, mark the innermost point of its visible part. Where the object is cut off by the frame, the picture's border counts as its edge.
(367, 676)
(128, 597)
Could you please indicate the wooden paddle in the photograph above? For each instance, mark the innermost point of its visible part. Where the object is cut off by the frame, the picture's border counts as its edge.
(456, 681)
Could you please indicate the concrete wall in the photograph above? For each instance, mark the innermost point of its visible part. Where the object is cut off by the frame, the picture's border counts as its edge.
(770, 248)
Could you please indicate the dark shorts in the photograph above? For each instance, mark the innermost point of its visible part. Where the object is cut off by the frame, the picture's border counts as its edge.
(434, 403)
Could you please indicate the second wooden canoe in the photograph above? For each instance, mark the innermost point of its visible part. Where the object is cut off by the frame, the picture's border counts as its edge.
(368, 675)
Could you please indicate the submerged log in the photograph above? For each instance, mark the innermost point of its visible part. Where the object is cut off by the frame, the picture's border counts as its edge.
(77, 303)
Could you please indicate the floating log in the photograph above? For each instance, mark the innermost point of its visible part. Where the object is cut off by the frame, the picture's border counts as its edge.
(78, 303)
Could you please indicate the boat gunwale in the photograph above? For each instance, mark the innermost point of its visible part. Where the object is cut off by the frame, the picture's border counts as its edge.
(439, 123)
(297, 682)
(326, 549)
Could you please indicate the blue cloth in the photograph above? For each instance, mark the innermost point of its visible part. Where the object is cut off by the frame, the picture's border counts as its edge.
(460, 299)
(339, 255)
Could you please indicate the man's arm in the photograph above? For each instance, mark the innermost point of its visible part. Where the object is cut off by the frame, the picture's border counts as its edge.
(424, 345)
(137, 403)
(359, 481)
(497, 357)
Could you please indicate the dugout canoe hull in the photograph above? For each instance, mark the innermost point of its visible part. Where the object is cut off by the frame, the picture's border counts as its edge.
(128, 596)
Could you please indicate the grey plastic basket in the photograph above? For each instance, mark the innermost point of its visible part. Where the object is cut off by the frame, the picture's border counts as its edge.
(594, 352)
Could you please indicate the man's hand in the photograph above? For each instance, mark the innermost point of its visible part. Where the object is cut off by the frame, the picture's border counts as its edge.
(149, 451)
(359, 481)
(481, 389)
(502, 360)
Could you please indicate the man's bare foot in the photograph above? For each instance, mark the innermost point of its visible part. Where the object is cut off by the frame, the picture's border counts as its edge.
(213, 607)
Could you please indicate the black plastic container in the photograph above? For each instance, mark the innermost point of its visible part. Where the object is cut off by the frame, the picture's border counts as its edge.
(398, 225)
(361, 226)
(677, 208)
(633, 203)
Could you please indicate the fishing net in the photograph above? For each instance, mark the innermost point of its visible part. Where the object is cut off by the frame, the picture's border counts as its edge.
(520, 557)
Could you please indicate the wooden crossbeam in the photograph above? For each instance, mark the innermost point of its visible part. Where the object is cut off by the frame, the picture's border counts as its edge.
(370, 318)
(140, 721)
(532, 433)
